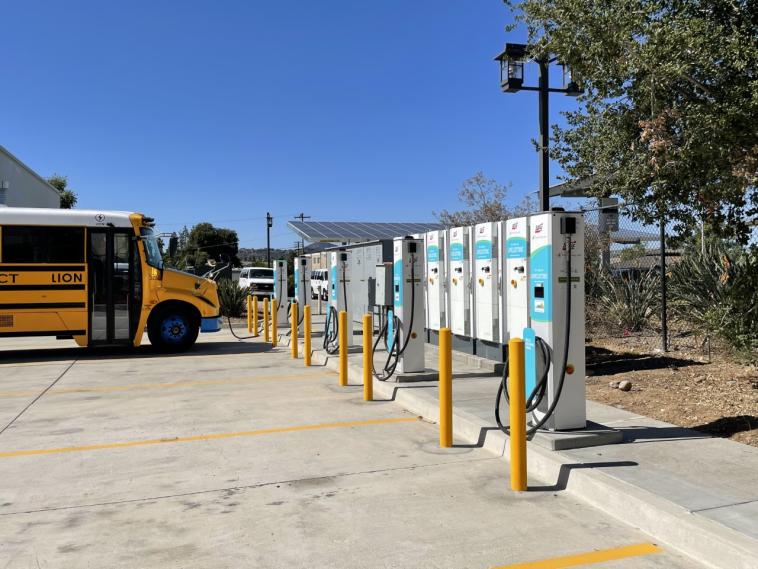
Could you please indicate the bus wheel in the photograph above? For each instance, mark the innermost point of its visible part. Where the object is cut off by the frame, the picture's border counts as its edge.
(172, 329)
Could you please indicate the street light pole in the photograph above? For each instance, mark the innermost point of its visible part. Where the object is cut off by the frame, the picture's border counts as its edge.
(269, 224)
(544, 86)
(512, 81)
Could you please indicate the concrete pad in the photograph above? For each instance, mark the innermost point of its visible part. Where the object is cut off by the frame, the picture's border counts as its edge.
(657, 480)
(380, 495)
(593, 435)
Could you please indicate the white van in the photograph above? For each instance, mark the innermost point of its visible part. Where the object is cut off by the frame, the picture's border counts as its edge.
(259, 281)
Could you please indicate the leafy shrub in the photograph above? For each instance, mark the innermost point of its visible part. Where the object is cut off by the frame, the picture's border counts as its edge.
(715, 290)
(233, 299)
(629, 302)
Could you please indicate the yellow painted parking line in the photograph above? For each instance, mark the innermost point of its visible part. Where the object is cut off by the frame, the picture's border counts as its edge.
(211, 437)
(589, 558)
(171, 385)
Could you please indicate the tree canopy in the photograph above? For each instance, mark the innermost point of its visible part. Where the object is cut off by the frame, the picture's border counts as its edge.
(485, 201)
(60, 183)
(204, 243)
(669, 117)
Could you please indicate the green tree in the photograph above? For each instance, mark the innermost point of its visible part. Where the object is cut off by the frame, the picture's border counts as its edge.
(485, 201)
(204, 243)
(668, 118)
(60, 183)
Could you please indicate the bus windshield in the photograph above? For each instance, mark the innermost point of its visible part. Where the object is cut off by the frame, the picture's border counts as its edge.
(152, 249)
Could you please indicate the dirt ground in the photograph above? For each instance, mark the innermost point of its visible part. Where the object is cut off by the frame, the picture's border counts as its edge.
(679, 387)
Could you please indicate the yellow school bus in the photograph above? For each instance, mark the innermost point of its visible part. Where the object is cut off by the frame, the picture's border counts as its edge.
(97, 277)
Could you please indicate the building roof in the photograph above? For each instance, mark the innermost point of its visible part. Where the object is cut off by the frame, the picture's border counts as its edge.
(69, 217)
(34, 174)
(356, 232)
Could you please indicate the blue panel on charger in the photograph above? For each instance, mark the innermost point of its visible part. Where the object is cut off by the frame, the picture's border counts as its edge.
(390, 328)
(530, 361)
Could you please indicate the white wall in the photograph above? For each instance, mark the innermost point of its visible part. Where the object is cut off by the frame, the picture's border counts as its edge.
(20, 187)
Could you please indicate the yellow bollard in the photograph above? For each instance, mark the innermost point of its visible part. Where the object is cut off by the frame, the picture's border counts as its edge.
(342, 319)
(294, 314)
(249, 313)
(265, 320)
(274, 331)
(446, 388)
(368, 380)
(517, 414)
(307, 335)
(255, 316)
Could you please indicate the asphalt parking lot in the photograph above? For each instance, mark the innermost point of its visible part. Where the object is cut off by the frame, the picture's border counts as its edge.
(235, 455)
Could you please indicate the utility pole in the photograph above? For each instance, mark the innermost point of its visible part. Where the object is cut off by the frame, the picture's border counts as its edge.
(269, 225)
(301, 217)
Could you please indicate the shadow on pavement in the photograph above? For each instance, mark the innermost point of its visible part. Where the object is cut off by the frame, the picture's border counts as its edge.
(565, 472)
(141, 352)
(641, 434)
(480, 441)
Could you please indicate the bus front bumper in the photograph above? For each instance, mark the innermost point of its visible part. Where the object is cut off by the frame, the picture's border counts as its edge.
(212, 324)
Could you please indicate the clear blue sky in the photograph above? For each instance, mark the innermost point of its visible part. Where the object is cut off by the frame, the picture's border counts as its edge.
(220, 111)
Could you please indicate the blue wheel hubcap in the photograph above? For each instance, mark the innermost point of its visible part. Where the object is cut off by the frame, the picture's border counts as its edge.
(174, 329)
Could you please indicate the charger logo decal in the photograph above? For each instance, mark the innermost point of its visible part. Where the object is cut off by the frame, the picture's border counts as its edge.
(483, 250)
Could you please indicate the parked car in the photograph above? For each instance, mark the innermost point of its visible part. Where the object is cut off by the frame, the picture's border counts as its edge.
(259, 281)
(319, 286)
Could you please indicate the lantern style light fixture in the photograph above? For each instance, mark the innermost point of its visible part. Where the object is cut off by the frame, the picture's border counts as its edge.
(512, 67)
(512, 61)
(571, 87)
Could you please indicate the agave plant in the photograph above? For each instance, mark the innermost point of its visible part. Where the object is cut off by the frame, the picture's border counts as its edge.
(629, 302)
(232, 298)
(715, 290)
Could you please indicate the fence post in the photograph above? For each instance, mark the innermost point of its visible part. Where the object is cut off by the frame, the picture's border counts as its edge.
(265, 320)
(249, 314)
(446, 388)
(342, 330)
(517, 421)
(274, 331)
(368, 380)
(307, 335)
(294, 316)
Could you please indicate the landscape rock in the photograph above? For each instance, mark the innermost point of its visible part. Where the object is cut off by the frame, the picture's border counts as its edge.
(625, 385)
(614, 384)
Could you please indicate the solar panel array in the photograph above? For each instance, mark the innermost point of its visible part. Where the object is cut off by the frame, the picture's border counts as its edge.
(353, 231)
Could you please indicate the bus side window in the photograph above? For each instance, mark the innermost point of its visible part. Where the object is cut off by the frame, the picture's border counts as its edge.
(37, 244)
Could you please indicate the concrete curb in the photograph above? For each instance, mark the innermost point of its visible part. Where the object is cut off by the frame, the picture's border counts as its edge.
(704, 540)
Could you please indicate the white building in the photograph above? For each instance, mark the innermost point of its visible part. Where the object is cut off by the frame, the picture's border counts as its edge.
(20, 186)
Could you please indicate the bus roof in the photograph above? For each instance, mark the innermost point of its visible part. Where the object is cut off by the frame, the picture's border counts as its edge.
(70, 217)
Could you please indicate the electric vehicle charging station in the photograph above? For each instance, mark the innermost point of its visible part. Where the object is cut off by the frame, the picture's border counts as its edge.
(302, 284)
(408, 303)
(339, 277)
(461, 315)
(435, 283)
(556, 312)
(514, 281)
(486, 282)
(280, 291)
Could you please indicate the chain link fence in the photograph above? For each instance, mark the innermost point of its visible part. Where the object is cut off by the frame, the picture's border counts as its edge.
(624, 261)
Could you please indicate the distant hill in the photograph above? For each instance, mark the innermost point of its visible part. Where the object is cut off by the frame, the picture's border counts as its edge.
(248, 256)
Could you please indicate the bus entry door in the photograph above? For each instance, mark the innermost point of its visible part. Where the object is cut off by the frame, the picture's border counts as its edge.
(111, 286)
